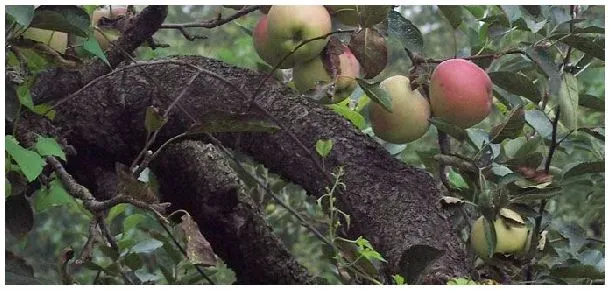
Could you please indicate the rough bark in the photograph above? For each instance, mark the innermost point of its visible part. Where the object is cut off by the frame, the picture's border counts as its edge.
(393, 205)
(197, 177)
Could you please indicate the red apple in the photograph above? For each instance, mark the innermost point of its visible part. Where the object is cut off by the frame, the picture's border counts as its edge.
(460, 93)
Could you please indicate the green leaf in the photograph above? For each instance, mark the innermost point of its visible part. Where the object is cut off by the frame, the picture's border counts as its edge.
(576, 271)
(540, 122)
(371, 50)
(45, 111)
(592, 102)
(490, 237)
(23, 14)
(132, 221)
(53, 195)
(595, 132)
(544, 61)
(536, 194)
(568, 101)
(398, 280)
(146, 246)
(405, 32)
(579, 168)
(511, 128)
(30, 163)
(115, 211)
(452, 130)
(133, 261)
(376, 93)
(516, 83)
(324, 146)
(154, 119)
(7, 188)
(478, 11)
(353, 116)
(112, 254)
(456, 179)
(23, 92)
(512, 12)
(92, 46)
(453, 13)
(63, 18)
(49, 147)
(586, 45)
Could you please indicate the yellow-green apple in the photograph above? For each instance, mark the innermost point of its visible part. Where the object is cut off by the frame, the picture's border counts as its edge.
(289, 26)
(364, 15)
(460, 93)
(308, 74)
(511, 235)
(54, 39)
(410, 112)
(108, 33)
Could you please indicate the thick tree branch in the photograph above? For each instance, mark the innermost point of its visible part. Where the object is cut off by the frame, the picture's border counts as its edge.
(394, 206)
(197, 177)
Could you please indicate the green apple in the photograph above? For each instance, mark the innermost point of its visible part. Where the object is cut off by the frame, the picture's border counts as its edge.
(460, 93)
(408, 120)
(511, 237)
(289, 26)
(306, 75)
(364, 15)
(54, 39)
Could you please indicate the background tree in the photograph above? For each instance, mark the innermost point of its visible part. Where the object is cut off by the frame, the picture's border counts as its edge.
(276, 188)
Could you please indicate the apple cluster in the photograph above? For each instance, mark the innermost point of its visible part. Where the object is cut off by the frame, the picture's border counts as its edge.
(278, 38)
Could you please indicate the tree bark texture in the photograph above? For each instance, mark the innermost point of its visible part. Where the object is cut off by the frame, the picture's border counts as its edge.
(393, 205)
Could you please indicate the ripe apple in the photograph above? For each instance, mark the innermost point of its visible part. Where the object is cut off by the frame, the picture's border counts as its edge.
(410, 112)
(364, 15)
(307, 74)
(288, 26)
(510, 238)
(54, 39)
(460, 93)
(110, 34)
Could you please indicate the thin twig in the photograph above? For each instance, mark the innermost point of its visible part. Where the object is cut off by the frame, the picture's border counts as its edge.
(213, 23)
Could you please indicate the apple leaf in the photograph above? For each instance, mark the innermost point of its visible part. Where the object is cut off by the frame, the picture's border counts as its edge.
(595, 132)
(238, 123)
(30, 162)
(93, 46)
(18, 271)
(198, 249)
(511, 128)
(49, 147)
(376, 93)
(591, 102)
(543, 60)
(452, 130)
(154, 119)
(516, 83)
(576, 271)
(568, 101)
(53, 195)
(63, 18)
(590, 46)
(405, 32)
(584, 168)
(370, 49)
(23, 14)
(324, 146)
(540, 122)
(490, 237)
(352, 115)
(453, 13)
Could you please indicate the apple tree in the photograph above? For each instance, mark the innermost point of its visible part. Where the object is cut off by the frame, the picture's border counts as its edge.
(353, 144)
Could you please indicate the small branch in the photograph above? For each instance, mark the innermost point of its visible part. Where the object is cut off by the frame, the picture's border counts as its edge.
(212, 23)
(554, 143)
